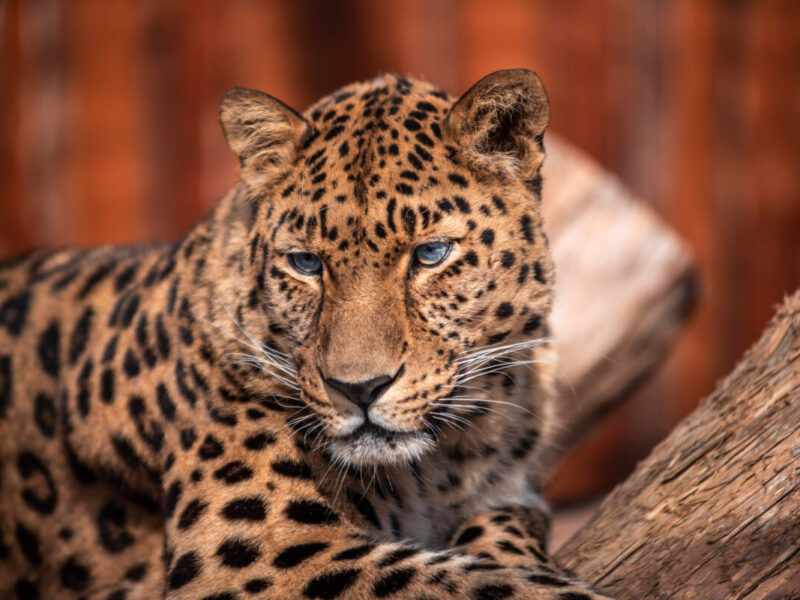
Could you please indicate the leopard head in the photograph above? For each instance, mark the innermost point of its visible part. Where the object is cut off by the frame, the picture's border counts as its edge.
(391, 234)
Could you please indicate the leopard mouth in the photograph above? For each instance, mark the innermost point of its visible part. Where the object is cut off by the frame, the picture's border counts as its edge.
(372, 444)
(370, 429)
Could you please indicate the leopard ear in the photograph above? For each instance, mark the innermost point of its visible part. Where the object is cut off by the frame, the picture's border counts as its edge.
(263, 132)
(499, 124)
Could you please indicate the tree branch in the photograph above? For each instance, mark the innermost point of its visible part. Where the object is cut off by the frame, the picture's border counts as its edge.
(714, 511)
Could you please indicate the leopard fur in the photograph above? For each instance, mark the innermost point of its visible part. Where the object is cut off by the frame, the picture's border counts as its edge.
(191, 421)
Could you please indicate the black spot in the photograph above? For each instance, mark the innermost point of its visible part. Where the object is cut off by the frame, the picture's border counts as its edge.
(504, 310)
(6, 384)
(80, 335)
(165, 403)
(457, 179)
(151, 432)
(29, 544)
(191, 513)
(533, 323)
(186, 568)
(527, 230)
(446, 206)
(162, 338)
(396, 556)
(412, 125)
(573, 596)
(469, 534)
(354, 553)
(260, 440)
(74, 575)
(238, 553)
(129, 310)
(245, 509)
(414, 160)
(492, 592)
(462, 205)
(294, 555)
(28, 465)
(525, 443)
(222, 596)
(290, 468)
(498, 337)
(543, 579)
(538, 273)
(380, 230)
(125, 451)
(392, 582)
(110, 351)
(233, 472)
(84, 387)
(44, 413)
(404, 188)
(26, 590)
(311, 512)
(49, 349)
(136, 572)
(107, 386)
(96, 277)
(330, 585)
(171, 497)
(14, 312)
(111, 526)
(180, 381)
(210, 448)
(334, 131)
(188, 438)
(125, 278)
(507, 259)
(487, 237)
(509, 548)
(255, 586)
(131, 364)
(523, 274)
(471, 258)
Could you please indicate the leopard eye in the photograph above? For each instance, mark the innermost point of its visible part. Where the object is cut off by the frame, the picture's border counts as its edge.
(432, 253)
(305, 263)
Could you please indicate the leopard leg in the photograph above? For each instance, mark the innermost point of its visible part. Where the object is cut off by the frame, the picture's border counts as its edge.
(239, 526)
(516, 536)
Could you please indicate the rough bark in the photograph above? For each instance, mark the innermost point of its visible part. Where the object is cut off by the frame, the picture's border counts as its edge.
(714, 511)
(616, 263)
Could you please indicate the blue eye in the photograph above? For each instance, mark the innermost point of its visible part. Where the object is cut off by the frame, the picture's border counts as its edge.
(305, 263)
(432, 253)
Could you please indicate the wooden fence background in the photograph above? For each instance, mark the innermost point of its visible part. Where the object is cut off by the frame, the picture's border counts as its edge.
(108, 130)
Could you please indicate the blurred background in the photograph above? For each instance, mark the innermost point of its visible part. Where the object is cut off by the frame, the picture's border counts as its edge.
(109, 133)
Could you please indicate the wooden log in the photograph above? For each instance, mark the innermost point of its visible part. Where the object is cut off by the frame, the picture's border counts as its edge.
(714, 511)
(625, 283)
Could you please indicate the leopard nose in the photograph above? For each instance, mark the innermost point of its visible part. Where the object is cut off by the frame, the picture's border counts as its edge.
(364, 393)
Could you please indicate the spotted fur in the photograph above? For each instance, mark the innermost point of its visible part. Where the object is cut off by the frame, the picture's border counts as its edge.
(192, 420)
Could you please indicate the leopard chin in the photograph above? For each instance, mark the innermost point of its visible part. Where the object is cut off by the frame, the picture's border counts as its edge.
(372, 445)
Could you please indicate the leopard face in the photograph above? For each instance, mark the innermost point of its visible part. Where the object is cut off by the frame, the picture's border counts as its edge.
(393, 234)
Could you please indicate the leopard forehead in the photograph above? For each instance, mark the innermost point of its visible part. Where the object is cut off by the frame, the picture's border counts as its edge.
(379, 172)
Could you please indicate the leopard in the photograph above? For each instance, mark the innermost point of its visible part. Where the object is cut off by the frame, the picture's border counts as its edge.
(337, 385)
